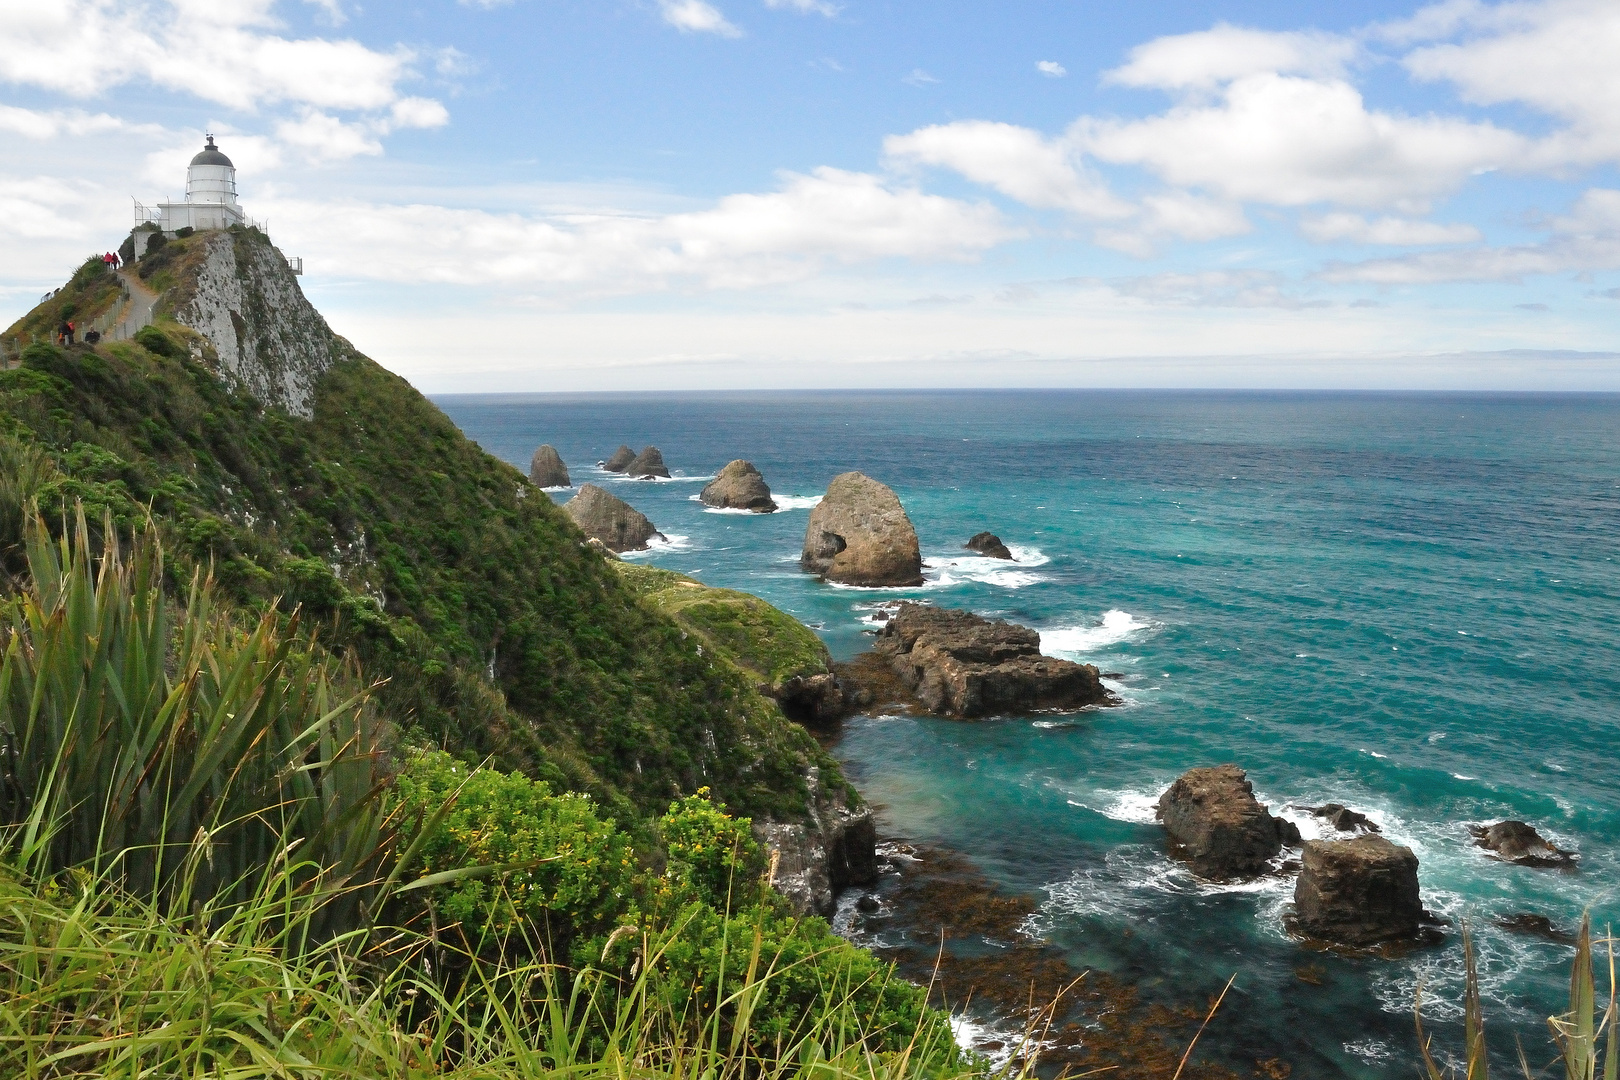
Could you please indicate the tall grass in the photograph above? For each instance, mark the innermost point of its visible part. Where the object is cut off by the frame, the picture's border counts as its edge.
(196, 858)
(1585, 1035)
(179, 754)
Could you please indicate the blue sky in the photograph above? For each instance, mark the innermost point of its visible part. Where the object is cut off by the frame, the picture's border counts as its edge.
(532, 195)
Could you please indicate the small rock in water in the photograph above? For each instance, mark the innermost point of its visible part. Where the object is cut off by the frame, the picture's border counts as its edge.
(989, 545)
(609, 519)
(1358, 892)
(1219, 827)
(867, 903)
(1536, 925)
(739, 486)
(1516, 842)
(621, 459)
(1342, 818)
(648, 464)
(546, 469)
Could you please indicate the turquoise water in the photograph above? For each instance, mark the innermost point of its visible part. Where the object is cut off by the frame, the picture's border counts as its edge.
(1406, 603)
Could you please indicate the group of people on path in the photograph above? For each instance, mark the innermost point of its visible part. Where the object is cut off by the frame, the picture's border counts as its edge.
(65, 332)
(112, 260)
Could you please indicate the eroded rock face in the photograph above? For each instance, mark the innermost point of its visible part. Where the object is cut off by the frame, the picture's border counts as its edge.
(989, 545)
(648, 463)
(1516, 842)
(1358, 892)
(859, 534)
(739, 486)
(963, 665)
(546, 469)
(620, 459)
(816, 861)
(270, 340)
(1219, 827)
(617, 524)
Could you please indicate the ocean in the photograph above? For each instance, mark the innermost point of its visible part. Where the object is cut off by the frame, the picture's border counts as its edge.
(1406, 603)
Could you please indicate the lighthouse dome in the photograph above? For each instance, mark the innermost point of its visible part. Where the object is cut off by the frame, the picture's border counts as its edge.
(211, 156)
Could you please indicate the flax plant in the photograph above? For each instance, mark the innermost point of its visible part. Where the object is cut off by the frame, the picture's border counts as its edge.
(181, 755)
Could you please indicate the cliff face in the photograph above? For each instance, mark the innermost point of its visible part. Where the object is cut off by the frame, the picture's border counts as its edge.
(271, 341)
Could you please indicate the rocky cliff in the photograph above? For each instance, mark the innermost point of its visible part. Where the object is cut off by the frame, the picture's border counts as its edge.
(270, 340)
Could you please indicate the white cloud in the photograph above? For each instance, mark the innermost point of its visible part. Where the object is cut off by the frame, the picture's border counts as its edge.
(1290, 141)
(1356, 229)
(1016, 161)
(1209, 58)
(1557, 56)
(222, 51)
(326, 138)
(819, 7)
(919, 77)
(743, 241)
(1174, 215)
(1585, 240)
(1051, 69)
(696, 17)
(35, 124)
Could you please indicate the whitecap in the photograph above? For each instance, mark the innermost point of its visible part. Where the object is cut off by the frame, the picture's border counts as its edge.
(1136, 807)
(795, 502)
(943, 571)
(658, 545)
(1116, 626)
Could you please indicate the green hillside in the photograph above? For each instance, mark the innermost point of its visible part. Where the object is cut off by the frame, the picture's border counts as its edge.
(498, 632)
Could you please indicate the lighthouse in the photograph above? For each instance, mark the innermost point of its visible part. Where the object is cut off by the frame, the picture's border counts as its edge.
(210, 195)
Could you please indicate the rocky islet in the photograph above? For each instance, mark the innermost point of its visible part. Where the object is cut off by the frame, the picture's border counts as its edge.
(610, 520)
(738, 486)
(1216, 824)
(989, 545)
(648, 465)
(546, 469)
(859, 534)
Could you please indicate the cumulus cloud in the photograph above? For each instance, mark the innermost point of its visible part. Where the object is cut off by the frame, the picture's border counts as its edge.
(1557, 56)
(744, 240)
(36, 124)
(1585, 240)
(1051, 69)
(1291, 141)
(1016, 161)
(1209, 58)
(1393, 231)
(696, 17)
(1174, 215)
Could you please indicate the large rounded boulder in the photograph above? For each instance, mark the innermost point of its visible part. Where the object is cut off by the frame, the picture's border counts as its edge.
(546, 469)
(614, 522)
(859, 534)
(1358, 892)
(738, 487)
(648, 464)
(1219, 827)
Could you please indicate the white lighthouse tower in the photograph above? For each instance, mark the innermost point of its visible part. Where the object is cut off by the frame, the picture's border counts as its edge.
(210, 195)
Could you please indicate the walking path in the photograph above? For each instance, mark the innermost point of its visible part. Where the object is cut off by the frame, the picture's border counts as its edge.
(137, 310)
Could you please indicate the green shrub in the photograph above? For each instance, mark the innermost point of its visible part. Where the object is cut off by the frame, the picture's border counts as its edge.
(155, 341)
(567, 871)
(713, 858)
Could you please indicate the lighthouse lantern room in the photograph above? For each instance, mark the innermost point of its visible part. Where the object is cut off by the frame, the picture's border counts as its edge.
(210, 196)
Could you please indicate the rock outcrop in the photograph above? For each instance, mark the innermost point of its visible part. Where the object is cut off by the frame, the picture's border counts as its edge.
(859, 534)
(620, 460)
(271, 342)
(1341, 817)
(617, 524)
(989, 545)
(546, 469)
(1516, 842)
(1219, 827)
(648, 464)
(1358, 892)
(814, 862)
(963, 665)
(739, 486)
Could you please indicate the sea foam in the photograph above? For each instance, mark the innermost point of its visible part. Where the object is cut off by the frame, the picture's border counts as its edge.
(1070, 641)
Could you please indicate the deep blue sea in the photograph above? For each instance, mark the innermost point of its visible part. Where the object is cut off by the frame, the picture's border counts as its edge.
(1409, 604)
